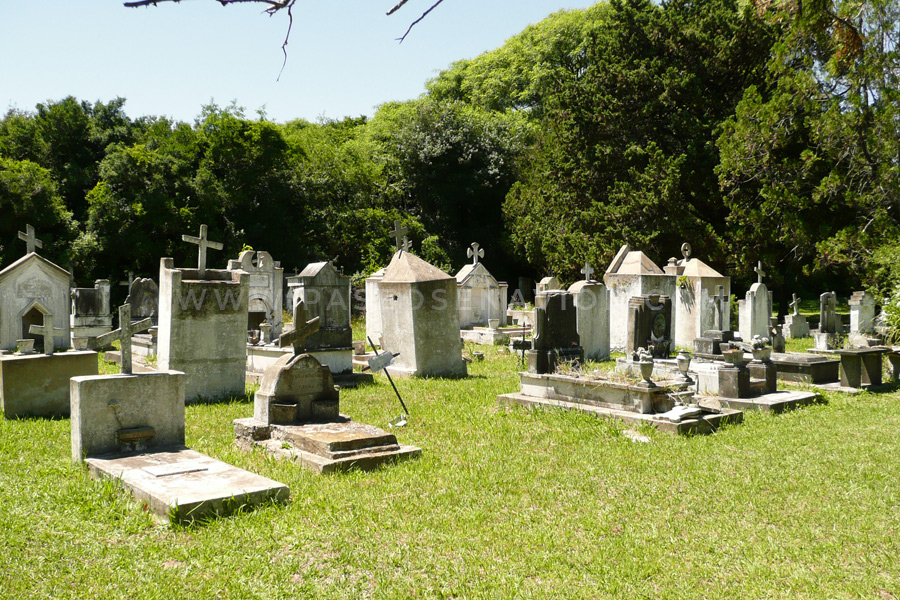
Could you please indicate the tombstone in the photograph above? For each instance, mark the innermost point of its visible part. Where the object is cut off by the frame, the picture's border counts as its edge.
(592, 315)
(702, 299)
(90, 316)
(31, 288)
(755, 310)
(130, 429)
(862, 313)
(829, 324)
(325, 293)
(650, 325)
(373, 306)
(143, 298)
(795, 324)
(37, 384)
(420, 318)
(556, 338)
(548, 283)
(632, 273)
(266, 288)
(203, 326)
(296, 413)
(482, 298)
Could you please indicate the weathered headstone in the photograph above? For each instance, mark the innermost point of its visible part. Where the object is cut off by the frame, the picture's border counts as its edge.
(650, 325)
(548, 283)
(556, 338)
(862, 313)
(755, 310)
(143, 298)
(795, 324)
(266, 288)
(829, 323)
(592, 315)
(90, 316)
(325, 292)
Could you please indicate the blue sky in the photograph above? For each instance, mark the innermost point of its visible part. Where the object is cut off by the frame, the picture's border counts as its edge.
(343, 57)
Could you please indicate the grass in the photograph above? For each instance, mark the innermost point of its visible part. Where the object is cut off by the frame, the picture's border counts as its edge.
(503, 503)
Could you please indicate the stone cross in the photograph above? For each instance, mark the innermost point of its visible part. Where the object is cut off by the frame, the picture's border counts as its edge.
(123, 334)
(759, 271)
(302, 329)
(475, 252)
(31, 242)
(46, 330)
(721, 305)
(204, 243)
(587, 271)
(795, 305)
(407, 244)
(397, 233)
(130, 280)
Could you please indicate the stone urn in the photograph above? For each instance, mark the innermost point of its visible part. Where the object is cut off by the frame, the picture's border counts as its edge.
(646, 367)
(762, 354)
(734, 357)
(25, 346)
(683, 360)
(493, 323)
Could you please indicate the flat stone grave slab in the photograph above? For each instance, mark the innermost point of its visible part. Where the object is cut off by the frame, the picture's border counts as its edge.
(775, 402)
(325, 447)
(184, 485)
(806, 368)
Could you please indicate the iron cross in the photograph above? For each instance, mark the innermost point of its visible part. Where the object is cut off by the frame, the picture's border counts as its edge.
(302, 329)
(397, 233)
(123, 334)
(204, 243)
(31, 242)
(475, 252)
(46, 331)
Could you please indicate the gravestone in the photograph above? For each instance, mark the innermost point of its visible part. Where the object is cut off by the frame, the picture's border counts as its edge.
(481, 297)
(420, 318)
(373, 306)
(755, 310)
(862, 313)
(829, 324)
(702, 299)
(555, 337)
(650, 325)
(548, 283)
(631, 273)
(592, 315)
(31, 288)
(795, 325)
(325, 292)
(266, 288)
(203, 326)
(90, 316)
(143, 298)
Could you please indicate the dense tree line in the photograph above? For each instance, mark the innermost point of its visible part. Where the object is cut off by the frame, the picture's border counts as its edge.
(755, 130)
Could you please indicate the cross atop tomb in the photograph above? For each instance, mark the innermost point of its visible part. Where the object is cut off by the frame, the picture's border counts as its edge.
(475, 252)
(123, 334)
(587, 271)
(31, 242)
(46, 331)
(397, 233)
(407, 244)
(759, 271)
(721, 307)
(795, 305)
(302, 329)
(130, 280)
(204, 243)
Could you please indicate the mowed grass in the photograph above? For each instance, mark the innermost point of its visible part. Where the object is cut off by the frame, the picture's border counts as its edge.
(503, 503)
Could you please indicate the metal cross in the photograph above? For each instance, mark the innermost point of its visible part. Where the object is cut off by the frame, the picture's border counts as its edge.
(721, 307)
(123, 334)
(30, 240)
(302, 329)
(397, 233)
(46, 330)
(795, 305)
(587, 271)
(475, 252)
(759, 271)
(204, 243)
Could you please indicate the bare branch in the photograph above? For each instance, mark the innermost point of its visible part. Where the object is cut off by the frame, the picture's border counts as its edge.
(417, 21)
(397, 7)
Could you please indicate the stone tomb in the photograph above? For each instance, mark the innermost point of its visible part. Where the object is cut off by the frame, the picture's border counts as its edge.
(806, 368)
(795, 325)
(266, 288)
(482, 299)
(420, 318)
(90, 316)
(592, 316)
(296, 416)
(31, 288)
(555, 337)
(630, 274)
(37, 385)
(702, 298)
(130, 429)
(325, 292)
(203, 327)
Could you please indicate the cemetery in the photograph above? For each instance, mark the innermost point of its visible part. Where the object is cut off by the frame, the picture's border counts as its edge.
(609, 311)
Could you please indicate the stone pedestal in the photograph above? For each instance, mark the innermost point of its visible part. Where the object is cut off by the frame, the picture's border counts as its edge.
(824, 341)
(806, 368)
(37, 385)
(709, 346)
(795, 326)
(860, 367)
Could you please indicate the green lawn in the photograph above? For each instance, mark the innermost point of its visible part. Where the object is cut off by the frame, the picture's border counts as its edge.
(503, 503)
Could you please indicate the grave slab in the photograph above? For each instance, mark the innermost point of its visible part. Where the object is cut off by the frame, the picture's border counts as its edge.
(805, 368)
(775, 402)
(37, 385)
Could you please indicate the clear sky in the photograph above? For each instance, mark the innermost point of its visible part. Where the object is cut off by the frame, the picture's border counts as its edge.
(343, 57)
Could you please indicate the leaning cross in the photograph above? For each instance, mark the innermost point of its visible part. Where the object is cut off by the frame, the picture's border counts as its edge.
(397, 233)
(123, 334)
(795, 305)
(302, 329)
(31, 242)
(720, 304)
(46, 330)
(204, 243)
(474, 252)
(759, 271)
(130, 280)
(587, 271)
